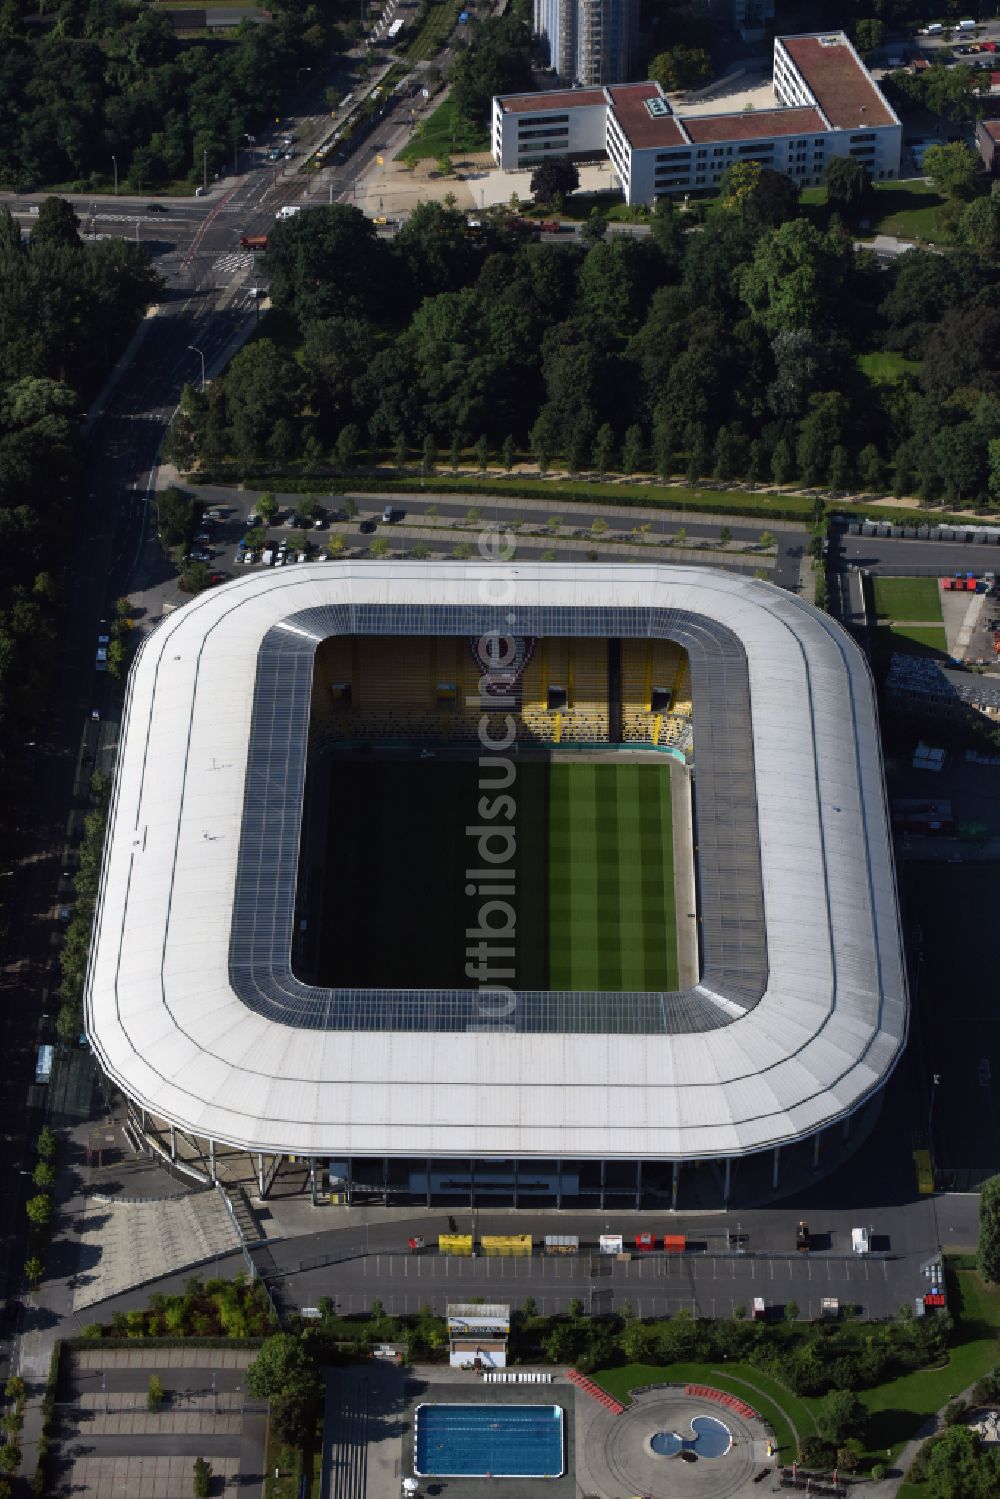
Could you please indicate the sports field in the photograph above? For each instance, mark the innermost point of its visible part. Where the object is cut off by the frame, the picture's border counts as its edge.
(592, 862)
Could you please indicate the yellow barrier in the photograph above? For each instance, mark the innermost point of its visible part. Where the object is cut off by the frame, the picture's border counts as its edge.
(455, 1243)
(507, 1244)
(925, 1172)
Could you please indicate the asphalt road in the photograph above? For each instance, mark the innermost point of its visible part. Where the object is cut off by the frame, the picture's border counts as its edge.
(888, 555)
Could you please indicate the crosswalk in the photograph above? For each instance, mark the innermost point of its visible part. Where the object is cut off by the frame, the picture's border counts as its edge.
(234, 260)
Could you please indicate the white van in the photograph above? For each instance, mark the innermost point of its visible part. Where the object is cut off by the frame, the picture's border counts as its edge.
(267, 558)
(966, 25)
(289, 211)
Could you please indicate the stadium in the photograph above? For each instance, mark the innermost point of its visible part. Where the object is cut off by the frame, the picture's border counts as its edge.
(507, 883)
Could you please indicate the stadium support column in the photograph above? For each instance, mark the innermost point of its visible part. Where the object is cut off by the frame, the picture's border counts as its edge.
(674, 1186)
(816, 1151)
(847, 1127)
(725, 1187)
(211, 1162)
(260, 1172)
(312, 1180)
(638, 1185)
(777, 1165)
(173, 1143)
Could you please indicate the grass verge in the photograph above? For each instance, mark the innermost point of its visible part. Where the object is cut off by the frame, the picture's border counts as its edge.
(908, 598)
(299, 1470)
(440, 17)
(444, 133)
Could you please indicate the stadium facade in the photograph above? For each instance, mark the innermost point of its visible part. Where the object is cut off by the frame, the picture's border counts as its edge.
(792, 1024)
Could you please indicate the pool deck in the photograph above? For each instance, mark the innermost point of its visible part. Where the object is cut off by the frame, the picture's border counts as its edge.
(368, 1439)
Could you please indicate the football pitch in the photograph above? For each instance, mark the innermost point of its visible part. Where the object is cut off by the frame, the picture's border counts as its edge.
(592, 862)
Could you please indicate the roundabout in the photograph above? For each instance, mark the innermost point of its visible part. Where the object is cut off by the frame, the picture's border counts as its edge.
(670, 1442)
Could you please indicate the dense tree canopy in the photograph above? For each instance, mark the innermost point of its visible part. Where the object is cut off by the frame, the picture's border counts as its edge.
(681, 67)
(103, 78)
(714, 347)
(497, 60)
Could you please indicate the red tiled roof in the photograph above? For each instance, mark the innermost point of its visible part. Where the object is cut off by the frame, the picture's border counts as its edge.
(640, 128)
(757, 124)
(556, 99)
(840, 84)
(992, 128)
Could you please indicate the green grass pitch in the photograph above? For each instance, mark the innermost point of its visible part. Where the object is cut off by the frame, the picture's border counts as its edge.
(594, 887)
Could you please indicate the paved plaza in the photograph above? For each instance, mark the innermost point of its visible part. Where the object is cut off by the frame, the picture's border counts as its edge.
(110, 1446)
(124, 1242)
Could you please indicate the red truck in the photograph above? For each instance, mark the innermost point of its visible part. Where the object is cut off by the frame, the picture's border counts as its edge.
(550, 226)
(253, 241)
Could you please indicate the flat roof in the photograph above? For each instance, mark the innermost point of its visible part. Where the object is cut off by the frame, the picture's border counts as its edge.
(838, 80)
(191, 1003)
(756, 124)
(551, 99)
(640, 128)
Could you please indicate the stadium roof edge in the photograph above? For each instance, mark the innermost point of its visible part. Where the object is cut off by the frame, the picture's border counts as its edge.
(168, 1026)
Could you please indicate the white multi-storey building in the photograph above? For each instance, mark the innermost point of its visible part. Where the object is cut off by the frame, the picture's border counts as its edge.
(590, 41)
(826, 104)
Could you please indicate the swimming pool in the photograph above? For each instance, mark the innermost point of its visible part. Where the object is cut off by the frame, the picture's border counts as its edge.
(712, 1438)
(488, 1441)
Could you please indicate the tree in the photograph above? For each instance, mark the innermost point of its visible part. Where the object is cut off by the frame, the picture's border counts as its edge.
(194, 579)
(428, 460)
(988, 1256)
(155, 1393)
(765, 197)
(847, 185)
(604, 448)
(284, 1367)
(348, 441)
(842, 1414)
(953, 168)
(681, 67)
(594, 229)
(176, 517)
(725, 536)
(267, 507)
(56, 224)
(767, 540)
(796, 277)
(379, 547)
(632, 450)
(482, 452)
(782, 462)
(870, 467)
(39, 1210)
(979, 225)
(839, 471)
(44, 1176)
(955, 1468)
(202, 1478)
(507, 453)
(46, 1143)
(33, 1272)
(554, 179)
(815, 1452)
(869, 33)
(497, 60)
(336, 546)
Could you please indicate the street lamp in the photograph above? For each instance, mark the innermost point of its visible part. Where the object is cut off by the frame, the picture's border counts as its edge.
(204, 170)
(201, 356)
(114, 163)
(300, 71)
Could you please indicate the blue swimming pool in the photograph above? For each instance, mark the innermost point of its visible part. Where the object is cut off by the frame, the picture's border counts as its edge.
(494, 1441)
(712, 1438)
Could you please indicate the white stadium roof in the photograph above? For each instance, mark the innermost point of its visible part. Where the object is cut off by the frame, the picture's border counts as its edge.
(197, 891)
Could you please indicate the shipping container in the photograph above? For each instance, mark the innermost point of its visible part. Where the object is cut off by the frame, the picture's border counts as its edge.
(675, 1243)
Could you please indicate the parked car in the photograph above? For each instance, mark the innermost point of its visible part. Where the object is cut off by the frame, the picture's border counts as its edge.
(199, 556)
(367, 527)
(156, 208)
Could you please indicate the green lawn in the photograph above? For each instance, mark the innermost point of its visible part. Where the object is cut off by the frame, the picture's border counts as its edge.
(444, 133)
(908, 209)
(908, 598)
(611, 884)
(930, 639)
(784, 1412)
(887, 366)
(899, 1406)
